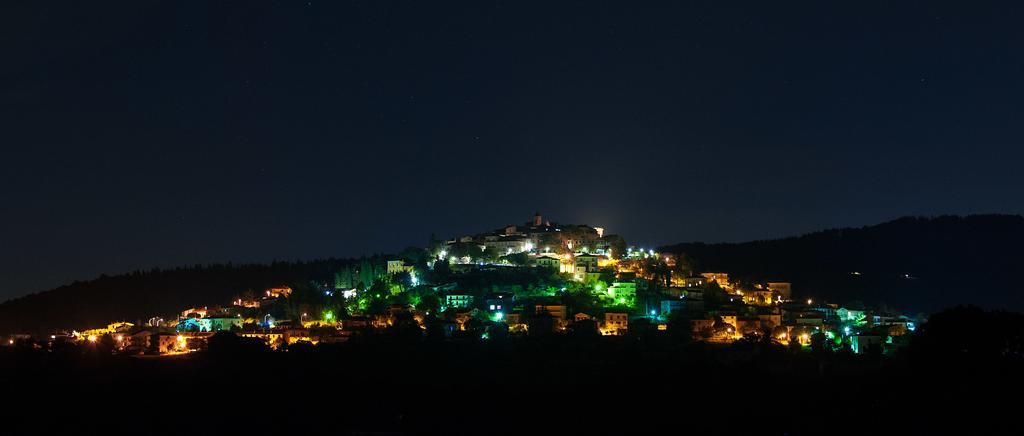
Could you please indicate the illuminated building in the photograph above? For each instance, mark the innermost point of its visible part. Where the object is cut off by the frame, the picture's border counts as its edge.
(460, 301)
(194, 313)
(117, 327)
(863, 343)
(514, 318)
(292, 336)
(213, 324)
(157, 342)
(721, 279)
(702, 325)
(810, 318)
(278, 292)
(770, 319)
(508, 244)
(272, 339)
(784, 289)
(397, 266)
(622, 290)
(828, 310)
(557, 311)
(548, 261)
(246, 302)
(729, 319)
(850, 315)
(758, 297)
(587, 261)
(673, 305)
(500, 302)
(615, 323)
(690, 282)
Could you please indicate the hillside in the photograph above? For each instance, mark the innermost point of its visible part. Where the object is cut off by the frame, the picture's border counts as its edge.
(143, 294)
(912, 264)
(916, 264)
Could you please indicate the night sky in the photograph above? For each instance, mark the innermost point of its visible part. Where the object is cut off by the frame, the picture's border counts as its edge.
(164, 133)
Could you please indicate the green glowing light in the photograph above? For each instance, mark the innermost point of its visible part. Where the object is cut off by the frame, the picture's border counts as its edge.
(328, 315)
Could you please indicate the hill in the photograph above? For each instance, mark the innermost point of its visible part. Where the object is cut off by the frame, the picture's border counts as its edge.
(916, 264)
(143, 294)
(911, 264)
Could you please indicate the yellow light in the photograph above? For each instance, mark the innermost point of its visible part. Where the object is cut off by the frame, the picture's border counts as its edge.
(120, 338)
(92, 338)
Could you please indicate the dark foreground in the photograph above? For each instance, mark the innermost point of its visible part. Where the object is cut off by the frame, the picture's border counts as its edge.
(526, 386)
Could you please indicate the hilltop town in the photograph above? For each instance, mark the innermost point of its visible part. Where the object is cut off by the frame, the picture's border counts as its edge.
(535, 278)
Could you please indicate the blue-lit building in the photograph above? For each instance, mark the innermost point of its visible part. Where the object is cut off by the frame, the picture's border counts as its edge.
(209, 324)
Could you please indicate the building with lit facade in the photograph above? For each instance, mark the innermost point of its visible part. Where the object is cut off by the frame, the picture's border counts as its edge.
(615, 323)
(458, 301)
(784, 289)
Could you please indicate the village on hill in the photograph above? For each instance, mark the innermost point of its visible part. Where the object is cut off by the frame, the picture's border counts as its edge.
(537, 278)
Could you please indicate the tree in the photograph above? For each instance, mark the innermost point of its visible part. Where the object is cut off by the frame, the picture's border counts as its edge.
(714, 296)
(819, 343)
(680, 327)
(404, 328)
(969, 335)
(518, 259)
(475, 328)
(106, 345)
(403, 279)
(489, 254)
(429, 302)
(617, 245)
(794, 345)
(540, 324)
(584, 329)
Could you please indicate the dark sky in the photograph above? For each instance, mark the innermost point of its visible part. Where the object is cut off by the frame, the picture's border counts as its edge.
(160, 133)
